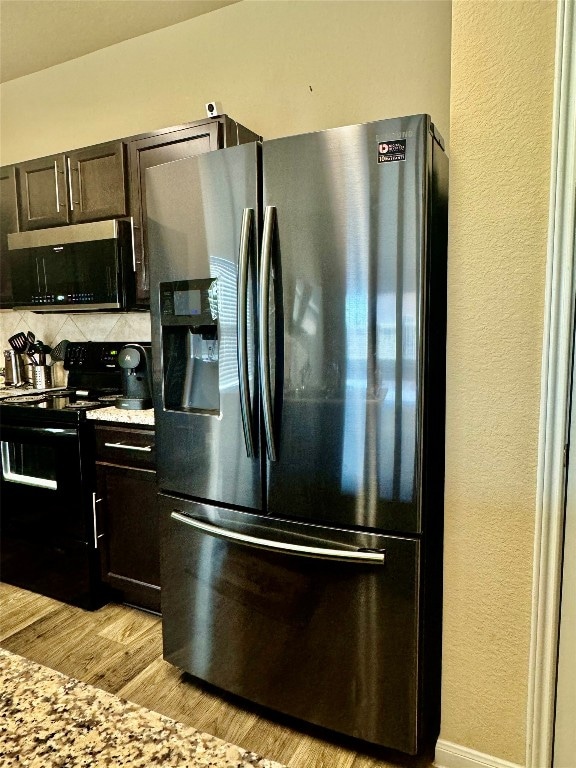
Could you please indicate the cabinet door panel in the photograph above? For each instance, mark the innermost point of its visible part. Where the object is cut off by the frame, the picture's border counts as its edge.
(98, 182)
(8, 224)
(42, 193)
(129, 518)
(146, 153)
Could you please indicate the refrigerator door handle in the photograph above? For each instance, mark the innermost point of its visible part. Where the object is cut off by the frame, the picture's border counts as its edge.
(376, 557)
(264, 330)
(242, 325)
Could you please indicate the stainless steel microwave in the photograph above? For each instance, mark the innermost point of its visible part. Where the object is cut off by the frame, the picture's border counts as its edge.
(81, 267)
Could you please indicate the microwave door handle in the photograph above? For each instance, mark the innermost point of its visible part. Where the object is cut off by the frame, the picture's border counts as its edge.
(57, 186)
(38, 274)
(242, 330)
(264, 330)
(71, 196)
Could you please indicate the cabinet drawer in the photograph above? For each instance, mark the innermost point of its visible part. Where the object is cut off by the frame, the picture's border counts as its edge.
(126, 447)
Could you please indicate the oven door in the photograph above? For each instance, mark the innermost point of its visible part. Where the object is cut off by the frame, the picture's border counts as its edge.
(48, 540)
(41, 483)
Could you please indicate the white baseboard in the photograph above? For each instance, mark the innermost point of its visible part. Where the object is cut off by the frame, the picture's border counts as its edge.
(449, 755)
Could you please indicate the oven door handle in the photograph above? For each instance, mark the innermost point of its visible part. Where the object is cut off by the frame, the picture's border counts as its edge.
(12, 433)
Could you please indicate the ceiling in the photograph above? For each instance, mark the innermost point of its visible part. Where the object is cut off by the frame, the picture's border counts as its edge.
(36, 34)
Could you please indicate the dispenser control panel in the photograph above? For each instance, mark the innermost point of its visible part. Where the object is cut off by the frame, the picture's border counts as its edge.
(189, 302)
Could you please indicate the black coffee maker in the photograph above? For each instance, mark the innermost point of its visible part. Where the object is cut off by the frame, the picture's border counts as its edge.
(136, 364)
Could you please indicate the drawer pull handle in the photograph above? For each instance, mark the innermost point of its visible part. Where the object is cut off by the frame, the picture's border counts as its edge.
(147, 448)
(352, 555)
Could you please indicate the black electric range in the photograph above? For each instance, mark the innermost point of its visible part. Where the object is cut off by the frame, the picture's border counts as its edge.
(50, 533)
(94, 381)
(66, 405)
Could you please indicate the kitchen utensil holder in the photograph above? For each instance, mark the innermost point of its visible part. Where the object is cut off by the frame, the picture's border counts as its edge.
(42, 377)
(27, 369)
(12, 368)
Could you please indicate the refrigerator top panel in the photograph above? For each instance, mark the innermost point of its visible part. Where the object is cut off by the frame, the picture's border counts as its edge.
(349, 212)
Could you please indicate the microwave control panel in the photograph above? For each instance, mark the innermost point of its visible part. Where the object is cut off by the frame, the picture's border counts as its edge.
(63, 298)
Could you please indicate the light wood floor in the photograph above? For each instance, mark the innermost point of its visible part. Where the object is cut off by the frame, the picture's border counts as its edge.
(119, 649)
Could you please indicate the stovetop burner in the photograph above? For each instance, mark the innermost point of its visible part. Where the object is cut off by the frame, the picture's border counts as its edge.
(68, 400)
(23, 398)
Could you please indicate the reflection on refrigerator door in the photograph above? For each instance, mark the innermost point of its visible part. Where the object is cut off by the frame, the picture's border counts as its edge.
(326, 261)
(292, 616)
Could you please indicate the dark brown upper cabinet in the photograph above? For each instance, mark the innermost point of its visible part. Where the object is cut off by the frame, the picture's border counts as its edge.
(8, 224)
(98, 182)
(42, 192)
(176, 143)
(106, 181)
(71, 188)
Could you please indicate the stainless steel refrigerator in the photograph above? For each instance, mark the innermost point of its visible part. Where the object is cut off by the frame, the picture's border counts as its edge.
(298, 331)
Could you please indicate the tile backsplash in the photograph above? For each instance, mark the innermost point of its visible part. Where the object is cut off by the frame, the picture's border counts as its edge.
(52, 328)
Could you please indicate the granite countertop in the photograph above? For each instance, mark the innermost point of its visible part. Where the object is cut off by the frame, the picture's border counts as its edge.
(143, 418)
(50, 720)
(125, 416)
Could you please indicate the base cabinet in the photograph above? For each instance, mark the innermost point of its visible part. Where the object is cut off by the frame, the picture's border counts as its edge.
(128, 515)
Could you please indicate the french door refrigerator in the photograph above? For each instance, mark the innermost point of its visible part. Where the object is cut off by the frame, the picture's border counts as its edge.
(298, 330)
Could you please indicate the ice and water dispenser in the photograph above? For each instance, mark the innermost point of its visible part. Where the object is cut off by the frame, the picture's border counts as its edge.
(189, 319)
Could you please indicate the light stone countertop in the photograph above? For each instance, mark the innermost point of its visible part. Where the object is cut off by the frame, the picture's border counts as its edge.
(141, 418)
(49, 719)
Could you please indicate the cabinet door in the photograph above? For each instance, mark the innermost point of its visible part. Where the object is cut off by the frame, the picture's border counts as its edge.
(128, 515)
(8, 223)
(97, 182)
(156, 150)
(42, 192)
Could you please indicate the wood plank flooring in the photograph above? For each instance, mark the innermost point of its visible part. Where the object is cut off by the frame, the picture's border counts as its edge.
(119, 649)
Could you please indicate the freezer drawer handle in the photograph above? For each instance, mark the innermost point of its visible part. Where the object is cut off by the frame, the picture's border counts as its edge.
(242, 325)
(264, 329)
(350, 556)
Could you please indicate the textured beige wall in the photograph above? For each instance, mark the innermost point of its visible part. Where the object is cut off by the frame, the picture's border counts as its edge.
(364, 61)
(277, 67)
(501, 107)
